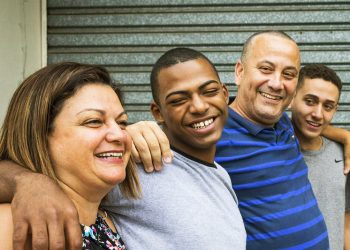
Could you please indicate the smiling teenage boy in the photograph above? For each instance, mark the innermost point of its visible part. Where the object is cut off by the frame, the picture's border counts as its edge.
(313, 107)
(190, 204)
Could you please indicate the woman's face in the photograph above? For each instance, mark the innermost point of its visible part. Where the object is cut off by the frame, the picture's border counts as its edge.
(89, 145)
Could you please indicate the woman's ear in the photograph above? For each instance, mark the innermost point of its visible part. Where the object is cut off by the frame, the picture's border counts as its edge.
(155, 109)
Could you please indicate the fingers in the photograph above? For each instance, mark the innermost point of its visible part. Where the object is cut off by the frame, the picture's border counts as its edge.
(56, 234)
(20, 234)
(166, 153)
(144, 151)
(146, 145)
(73, 233)
(40, 236)
(346, 165)
(135, 154)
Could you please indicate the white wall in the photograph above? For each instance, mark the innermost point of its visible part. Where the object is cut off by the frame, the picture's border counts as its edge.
(22, 44)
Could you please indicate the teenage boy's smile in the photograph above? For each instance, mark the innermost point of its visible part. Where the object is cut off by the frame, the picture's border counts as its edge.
(192, 107)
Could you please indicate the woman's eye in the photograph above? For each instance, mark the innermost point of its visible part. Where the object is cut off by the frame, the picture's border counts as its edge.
(93, 123)
(122, 124)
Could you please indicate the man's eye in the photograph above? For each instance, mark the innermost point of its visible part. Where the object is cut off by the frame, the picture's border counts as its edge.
(265, 69)
(289, 75)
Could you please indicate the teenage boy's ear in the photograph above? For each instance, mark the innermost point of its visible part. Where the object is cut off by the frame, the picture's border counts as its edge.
(156, 113)
(226, 93)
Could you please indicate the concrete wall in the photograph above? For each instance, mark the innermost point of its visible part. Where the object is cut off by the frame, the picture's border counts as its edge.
(22, 45)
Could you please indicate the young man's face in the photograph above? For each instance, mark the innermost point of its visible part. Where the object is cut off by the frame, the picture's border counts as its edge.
(267, 79)
(313, 107)
(192, 107)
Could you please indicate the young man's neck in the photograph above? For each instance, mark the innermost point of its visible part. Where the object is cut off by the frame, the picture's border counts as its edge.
(309, 144)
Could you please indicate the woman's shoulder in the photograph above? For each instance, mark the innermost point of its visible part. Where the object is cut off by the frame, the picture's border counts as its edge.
(6, 226)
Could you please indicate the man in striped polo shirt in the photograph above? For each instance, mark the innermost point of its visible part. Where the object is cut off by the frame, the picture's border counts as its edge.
(261, 154)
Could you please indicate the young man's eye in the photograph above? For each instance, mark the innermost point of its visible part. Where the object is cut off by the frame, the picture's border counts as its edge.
(329, 107)
(309, 101)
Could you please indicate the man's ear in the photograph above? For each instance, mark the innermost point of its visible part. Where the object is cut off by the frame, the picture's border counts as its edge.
(238, 72)
(155, 109)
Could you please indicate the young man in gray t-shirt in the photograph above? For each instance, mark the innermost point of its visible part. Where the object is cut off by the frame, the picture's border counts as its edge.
(313, 107)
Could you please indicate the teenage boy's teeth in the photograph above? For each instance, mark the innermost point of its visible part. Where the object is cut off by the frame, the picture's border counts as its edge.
(203, 124)
(106, 155)
(270, 96)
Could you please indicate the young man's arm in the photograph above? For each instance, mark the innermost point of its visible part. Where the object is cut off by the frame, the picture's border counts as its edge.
(150, 145)
(39, 206)
(342, 136)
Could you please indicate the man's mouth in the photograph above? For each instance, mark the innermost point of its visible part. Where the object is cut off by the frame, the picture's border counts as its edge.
(110, 155)
(202, 124)
(271, 97)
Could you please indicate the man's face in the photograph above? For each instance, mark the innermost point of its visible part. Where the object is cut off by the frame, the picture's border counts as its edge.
(192, 106)
(267, 79)
(313, 107)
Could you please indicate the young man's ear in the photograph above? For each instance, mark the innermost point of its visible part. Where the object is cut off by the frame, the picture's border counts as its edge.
(156, 113)
(238, 72)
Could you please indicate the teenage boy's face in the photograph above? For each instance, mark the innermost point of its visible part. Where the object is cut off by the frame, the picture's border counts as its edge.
(192, 107)
(313, 107)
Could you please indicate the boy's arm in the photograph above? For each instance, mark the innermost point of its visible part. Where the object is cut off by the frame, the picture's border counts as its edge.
(342, 136)
(150, 145)
(39, 206)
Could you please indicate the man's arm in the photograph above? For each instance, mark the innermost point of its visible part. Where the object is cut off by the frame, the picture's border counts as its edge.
(150, 145)
(40, 209)
(347, 231)
(342, 136)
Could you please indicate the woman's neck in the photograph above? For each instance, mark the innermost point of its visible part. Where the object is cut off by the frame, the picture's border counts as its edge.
(87, 208)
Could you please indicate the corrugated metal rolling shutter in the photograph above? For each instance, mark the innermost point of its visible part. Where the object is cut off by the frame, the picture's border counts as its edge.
(127, 36)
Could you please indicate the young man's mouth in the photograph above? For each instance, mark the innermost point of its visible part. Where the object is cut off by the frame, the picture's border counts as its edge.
(314, 124)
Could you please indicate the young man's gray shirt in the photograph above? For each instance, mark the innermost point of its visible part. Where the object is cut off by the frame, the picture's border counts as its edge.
(325, 169)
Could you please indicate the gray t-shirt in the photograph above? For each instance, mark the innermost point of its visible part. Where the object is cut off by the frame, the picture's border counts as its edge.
(187, 205)
(328, 183)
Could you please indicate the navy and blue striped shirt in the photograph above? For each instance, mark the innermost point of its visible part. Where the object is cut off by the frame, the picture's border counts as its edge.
(270, 179)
